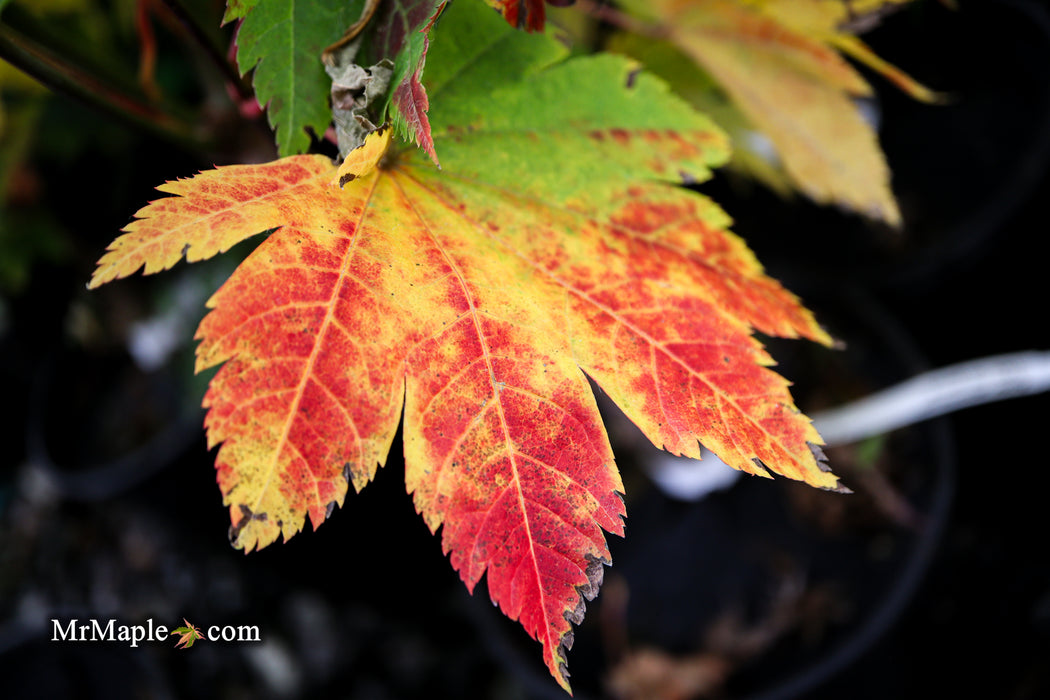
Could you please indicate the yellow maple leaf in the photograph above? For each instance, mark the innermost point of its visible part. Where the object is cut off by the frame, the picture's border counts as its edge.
(779, 62)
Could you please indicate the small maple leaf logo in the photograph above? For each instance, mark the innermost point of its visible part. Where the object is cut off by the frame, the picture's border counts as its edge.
(189, 634)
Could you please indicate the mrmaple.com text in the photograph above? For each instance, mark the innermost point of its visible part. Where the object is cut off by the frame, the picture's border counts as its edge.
(95, 631)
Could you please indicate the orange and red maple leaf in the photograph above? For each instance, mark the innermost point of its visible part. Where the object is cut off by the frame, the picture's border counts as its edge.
(387, 296)
(475, 302)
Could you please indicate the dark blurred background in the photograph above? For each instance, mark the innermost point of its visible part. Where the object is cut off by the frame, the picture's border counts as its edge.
(108, 506)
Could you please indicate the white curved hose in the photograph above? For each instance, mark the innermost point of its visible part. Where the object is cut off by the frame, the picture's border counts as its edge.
(936, 393)
(926, 395)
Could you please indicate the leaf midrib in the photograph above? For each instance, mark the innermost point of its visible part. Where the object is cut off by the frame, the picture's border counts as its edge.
(293, 410)
(495, 393)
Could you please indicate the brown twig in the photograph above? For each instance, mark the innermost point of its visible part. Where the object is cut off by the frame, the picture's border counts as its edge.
(212, 52)
(65, 76)
(147, 51)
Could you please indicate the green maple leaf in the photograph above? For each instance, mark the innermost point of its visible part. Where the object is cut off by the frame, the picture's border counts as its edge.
(282, 40)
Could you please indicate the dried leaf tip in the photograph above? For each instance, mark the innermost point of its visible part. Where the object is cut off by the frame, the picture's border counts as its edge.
(363, 160)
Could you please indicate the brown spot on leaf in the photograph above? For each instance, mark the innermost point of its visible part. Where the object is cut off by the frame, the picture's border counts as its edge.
(246, 517)
(595, 573)
(818, 454)
(839, 488)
